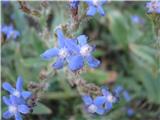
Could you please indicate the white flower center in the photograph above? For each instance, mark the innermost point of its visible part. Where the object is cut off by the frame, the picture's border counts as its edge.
(16, 93)
(12, 109)
(63, 53)
(95, 2)
(92, 108)
(110, 98)
(85, 50)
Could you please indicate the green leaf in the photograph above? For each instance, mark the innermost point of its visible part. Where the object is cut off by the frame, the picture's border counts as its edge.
(41, 109)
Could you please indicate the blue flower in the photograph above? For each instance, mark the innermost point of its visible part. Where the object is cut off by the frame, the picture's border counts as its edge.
(10, 32)
(153, 7)
(94, 105)
(137, 19)
(74, 4)
(110, 99)
(95, 6)
(130, 112)
(15, 108)
(83, 52)
(62, 53)
(126, 96)
(18, 91)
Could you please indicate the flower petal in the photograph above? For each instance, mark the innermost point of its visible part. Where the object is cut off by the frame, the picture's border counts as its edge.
(58, 64)
(82, 39)
(61, 39)
(92, 62)
(48, 54)
(23, 109)
(100, 110)
(100, 100)
(7, 115)
(71, 45)
(26, 94)
(19, 84)
(91, 10)
(105, 92)
(14, 99)
(127, 97)
(100, 10)
(87, 100)
(6, 101)
(75, 62)
(108, 106)
(18, 116)
(8, 87)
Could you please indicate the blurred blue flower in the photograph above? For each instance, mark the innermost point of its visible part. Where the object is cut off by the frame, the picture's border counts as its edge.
(130, 112)
(126, 96)
(10, 32)
(83, 53)
(18, 92)
(63, 52)
(94, 105)
(110, 99)
(95, 6)
(153, 6)
(137, 19)
(74, 3)
(15, 108)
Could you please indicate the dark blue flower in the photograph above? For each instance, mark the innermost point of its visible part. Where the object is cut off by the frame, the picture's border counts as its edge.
(83, 52)
(94, 105)
(15, 108)
(74, 4)
(110, 99)
(62, 52)
(10, 32)
(153, 6)
(95, 6)
(18, 91)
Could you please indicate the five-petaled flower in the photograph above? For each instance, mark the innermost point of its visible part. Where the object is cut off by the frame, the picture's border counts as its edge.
(62, 52)
(83, 53)
(95, 6)
(18, 91)
(10, 32)
(15, 107)
(94, 105)
(153, 6)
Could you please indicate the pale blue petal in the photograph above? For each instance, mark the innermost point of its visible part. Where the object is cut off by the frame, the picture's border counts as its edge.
(91, 10)
(7, 115)
(82, 39)
(126, 96)
(108, 106)
(75, 63)
(58, 64)
(23, 109)
(100, 10)
(48, 54)
(8, 87)
(105, 92)
(87, 100)
(92, 62)
(19, 84)
(18, 116)
(61, 39)
(26, 94)
(6, 101)
(100, 110)
(71, 45)
(100, 100)
(14, 99)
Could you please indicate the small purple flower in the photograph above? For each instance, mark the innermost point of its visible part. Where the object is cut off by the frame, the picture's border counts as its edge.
(130, 112)
(63, 52)
(94, 105)
(137, 19)
(153, 6)
(83, 53)
(74, 4)
(18, 91)
(95, 6)
(10, 32)
(15, 108)
(110, 99)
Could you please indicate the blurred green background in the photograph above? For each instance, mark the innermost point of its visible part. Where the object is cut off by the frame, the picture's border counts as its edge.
(126, 49)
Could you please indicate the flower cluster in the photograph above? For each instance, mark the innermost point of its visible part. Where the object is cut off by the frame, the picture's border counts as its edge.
(73, 51)
(100, 104)
(153, 6)
(9, 32)
(17, 101)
